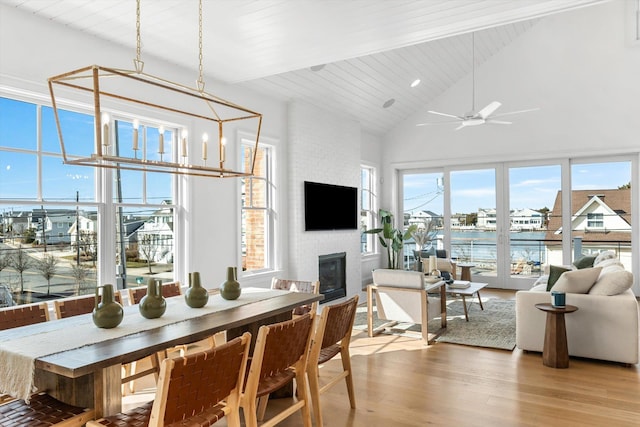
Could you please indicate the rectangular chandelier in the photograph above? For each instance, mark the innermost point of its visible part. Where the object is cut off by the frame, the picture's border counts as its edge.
(139, 94)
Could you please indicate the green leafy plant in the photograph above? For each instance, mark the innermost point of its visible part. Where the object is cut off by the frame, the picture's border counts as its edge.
(392, 239)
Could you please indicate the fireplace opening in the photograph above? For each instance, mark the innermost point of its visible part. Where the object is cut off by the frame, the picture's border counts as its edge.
(333, 276)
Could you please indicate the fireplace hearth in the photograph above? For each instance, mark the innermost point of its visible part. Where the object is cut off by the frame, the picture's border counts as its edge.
(333, 276)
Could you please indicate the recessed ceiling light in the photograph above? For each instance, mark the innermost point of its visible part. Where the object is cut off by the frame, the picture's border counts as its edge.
(388, 103)
(318, 67)
(415, 83)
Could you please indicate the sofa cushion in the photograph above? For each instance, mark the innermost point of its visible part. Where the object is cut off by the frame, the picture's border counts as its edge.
(585, 261)
(554, 274)
(577, 281)
(612, 283)
(602, 256)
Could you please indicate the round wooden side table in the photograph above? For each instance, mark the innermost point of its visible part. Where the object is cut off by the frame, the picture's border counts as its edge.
(465, 271)
(555, 352)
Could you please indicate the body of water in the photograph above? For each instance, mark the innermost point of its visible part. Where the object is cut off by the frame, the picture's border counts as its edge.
(476, 245)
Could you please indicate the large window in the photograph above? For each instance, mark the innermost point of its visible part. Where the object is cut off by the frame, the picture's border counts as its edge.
(368, 208)
(258, 214)
(53, 215)
(510, 220)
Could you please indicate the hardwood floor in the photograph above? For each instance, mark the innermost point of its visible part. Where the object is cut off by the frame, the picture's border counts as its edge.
(400, 382)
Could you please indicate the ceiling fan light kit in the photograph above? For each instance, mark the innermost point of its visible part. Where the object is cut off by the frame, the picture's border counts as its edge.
(485, 116)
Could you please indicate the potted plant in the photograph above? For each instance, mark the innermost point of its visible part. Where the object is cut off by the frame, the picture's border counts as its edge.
(423, 234)
(391, 238)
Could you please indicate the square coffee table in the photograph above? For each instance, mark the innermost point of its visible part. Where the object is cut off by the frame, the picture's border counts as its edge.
(473, 289)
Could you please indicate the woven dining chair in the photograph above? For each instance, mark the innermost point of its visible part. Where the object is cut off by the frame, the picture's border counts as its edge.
(280, 356)
(332, 337)
(130, 373)
(311, 287)
(42, 409)
(75, 306)
(195, 390)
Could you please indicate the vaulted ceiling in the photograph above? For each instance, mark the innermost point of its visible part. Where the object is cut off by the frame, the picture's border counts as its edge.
(350, 57)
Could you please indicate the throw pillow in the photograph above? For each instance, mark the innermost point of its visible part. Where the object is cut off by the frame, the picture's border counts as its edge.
(577, 281)
(613, 283)
(585, 261)
(604, 255)
(554, 274)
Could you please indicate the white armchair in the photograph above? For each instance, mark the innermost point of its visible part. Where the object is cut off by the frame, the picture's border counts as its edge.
(402, 296)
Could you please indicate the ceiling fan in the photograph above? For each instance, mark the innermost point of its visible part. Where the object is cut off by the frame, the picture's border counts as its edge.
(474, 118)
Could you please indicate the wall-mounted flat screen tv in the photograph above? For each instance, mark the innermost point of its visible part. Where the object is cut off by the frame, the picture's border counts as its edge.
(330, 207)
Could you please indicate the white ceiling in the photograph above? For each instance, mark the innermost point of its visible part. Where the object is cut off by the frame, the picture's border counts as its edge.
(373, 49)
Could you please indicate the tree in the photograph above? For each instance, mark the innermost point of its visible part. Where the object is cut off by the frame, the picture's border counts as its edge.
(89, 242)
(47, 268)
(20, 262)
(80, 274)
(625, 186)
(5, 261)
(148, 247)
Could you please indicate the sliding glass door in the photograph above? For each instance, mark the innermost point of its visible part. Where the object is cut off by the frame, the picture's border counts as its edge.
(508, 221)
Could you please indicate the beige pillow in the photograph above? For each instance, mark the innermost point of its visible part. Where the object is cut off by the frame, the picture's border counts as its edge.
(577, 281)
(613, 283)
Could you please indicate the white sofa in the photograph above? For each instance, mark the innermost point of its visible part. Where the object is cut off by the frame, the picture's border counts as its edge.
(605, 327)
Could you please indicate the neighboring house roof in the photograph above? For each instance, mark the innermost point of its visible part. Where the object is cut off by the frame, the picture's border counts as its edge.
(615, 201)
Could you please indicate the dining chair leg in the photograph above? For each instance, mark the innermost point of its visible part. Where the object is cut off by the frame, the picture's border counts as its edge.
(314, 387)
(346, 366)
(262, 406)
(250, 413)
(302, 387)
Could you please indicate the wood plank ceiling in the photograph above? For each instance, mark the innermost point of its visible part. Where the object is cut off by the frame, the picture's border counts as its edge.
(371, 49)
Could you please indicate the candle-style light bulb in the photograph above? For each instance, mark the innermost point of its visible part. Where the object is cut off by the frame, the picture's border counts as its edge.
(105, 129)
(185, 134)
(223, 144)
(136, 125)
(205, 139)
(161, 140)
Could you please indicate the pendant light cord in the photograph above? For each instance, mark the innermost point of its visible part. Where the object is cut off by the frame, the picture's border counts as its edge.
(139, 65)
(200, 81)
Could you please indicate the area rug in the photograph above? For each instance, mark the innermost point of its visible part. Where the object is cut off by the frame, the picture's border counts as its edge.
(493, 327)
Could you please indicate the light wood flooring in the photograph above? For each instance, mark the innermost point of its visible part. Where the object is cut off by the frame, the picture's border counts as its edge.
(400, 382)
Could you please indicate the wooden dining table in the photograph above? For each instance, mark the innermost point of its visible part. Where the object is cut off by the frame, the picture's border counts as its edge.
(90, 375)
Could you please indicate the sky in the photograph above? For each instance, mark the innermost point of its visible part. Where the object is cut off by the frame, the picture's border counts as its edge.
(529, 187)
(19, 167)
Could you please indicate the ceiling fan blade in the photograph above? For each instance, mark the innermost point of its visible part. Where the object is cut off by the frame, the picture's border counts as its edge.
(438, 123)
(445, 114)
(489, 109)
(460, 127)
(516, 112)
(498, 122)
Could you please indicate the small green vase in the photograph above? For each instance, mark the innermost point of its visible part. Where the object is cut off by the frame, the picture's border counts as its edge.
(107, 313)
(196, 296)
(153, 304)
(230, 289)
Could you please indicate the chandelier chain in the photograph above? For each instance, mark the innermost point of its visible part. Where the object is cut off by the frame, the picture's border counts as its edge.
(200, 77)
(138, 30)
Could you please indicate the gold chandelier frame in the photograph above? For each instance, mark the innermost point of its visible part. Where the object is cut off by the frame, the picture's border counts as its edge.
(114, 86)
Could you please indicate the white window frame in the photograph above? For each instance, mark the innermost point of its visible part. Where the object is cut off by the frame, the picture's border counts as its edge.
(247, 139)
(372, 242)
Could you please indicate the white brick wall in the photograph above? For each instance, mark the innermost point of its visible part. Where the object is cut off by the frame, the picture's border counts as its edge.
(323, 147)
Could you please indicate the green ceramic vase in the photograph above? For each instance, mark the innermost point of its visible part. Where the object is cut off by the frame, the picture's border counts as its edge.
(153, 304)
(196, 296)
(230, 289)
(107, 313)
